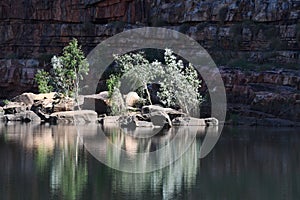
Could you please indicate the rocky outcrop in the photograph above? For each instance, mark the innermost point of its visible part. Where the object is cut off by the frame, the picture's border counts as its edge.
(49, 107)
(78, 116)
(153, 116)
(261, 95)
(24, 116)
(261, 31)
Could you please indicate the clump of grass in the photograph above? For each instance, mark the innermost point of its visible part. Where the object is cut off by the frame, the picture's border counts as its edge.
(6, 101)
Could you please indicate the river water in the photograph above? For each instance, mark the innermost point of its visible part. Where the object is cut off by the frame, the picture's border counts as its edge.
(52, 162)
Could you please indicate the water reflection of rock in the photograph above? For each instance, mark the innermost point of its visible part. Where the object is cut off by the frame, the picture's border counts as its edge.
(54, 152)
(168, 179)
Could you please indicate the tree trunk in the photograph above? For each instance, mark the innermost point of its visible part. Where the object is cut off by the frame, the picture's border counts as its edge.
(148, 94)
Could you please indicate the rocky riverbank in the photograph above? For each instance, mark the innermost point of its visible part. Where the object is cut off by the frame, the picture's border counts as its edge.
(55, 109)
(254, 97)
(270, 97)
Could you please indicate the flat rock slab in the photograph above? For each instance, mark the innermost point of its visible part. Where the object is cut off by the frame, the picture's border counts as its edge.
(191, 121)
(78, 116)
(143, 124)
(111, 121)
(26, 116)
(26, 98)
(14, 107)
(43, 96)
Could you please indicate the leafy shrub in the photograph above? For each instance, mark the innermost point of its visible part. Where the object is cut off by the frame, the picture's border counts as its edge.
(179, 84)
(112, 83)
(6, 102)
(67, 70)
(43, 80)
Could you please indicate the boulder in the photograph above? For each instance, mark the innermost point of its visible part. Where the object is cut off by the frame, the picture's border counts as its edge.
(78, 116)
(143, 124)
(191, 121)
(131, 99)
(154, 108)
(211, 121)
(188, 121)
(30, 116)
(159, 118)
(64, 104)
(42, 96)
(13, 117)
(45, 105)
(26, 116)
(14, 107)
(101, 101)
(26, 98)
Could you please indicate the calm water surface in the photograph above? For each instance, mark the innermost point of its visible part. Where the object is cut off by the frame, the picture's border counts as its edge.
(51, 162)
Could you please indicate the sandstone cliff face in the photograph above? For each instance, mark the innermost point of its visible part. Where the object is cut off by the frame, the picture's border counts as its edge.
(260, 31)
(38, 27)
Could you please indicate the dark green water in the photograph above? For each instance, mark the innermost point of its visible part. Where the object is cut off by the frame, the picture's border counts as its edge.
(50, 162)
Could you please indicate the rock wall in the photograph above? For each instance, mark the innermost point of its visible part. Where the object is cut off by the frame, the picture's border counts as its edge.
(243, 33)
(37, 28)
(247, 30)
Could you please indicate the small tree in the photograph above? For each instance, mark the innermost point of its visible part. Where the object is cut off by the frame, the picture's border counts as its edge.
(43, 80)
(67, 71)
(179, 84)
(75, 66)
(136, 67)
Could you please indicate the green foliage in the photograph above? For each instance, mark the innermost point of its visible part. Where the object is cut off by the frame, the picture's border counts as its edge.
(117, 103)
(112, 83)
(67, 71)
(179, 84)
(136, 68)
(43, 80)
(75, 65)
(6, 101)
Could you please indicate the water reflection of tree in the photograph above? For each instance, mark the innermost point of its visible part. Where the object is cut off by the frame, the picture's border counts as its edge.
(56, 156)
(69, 167)
(167, 181)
